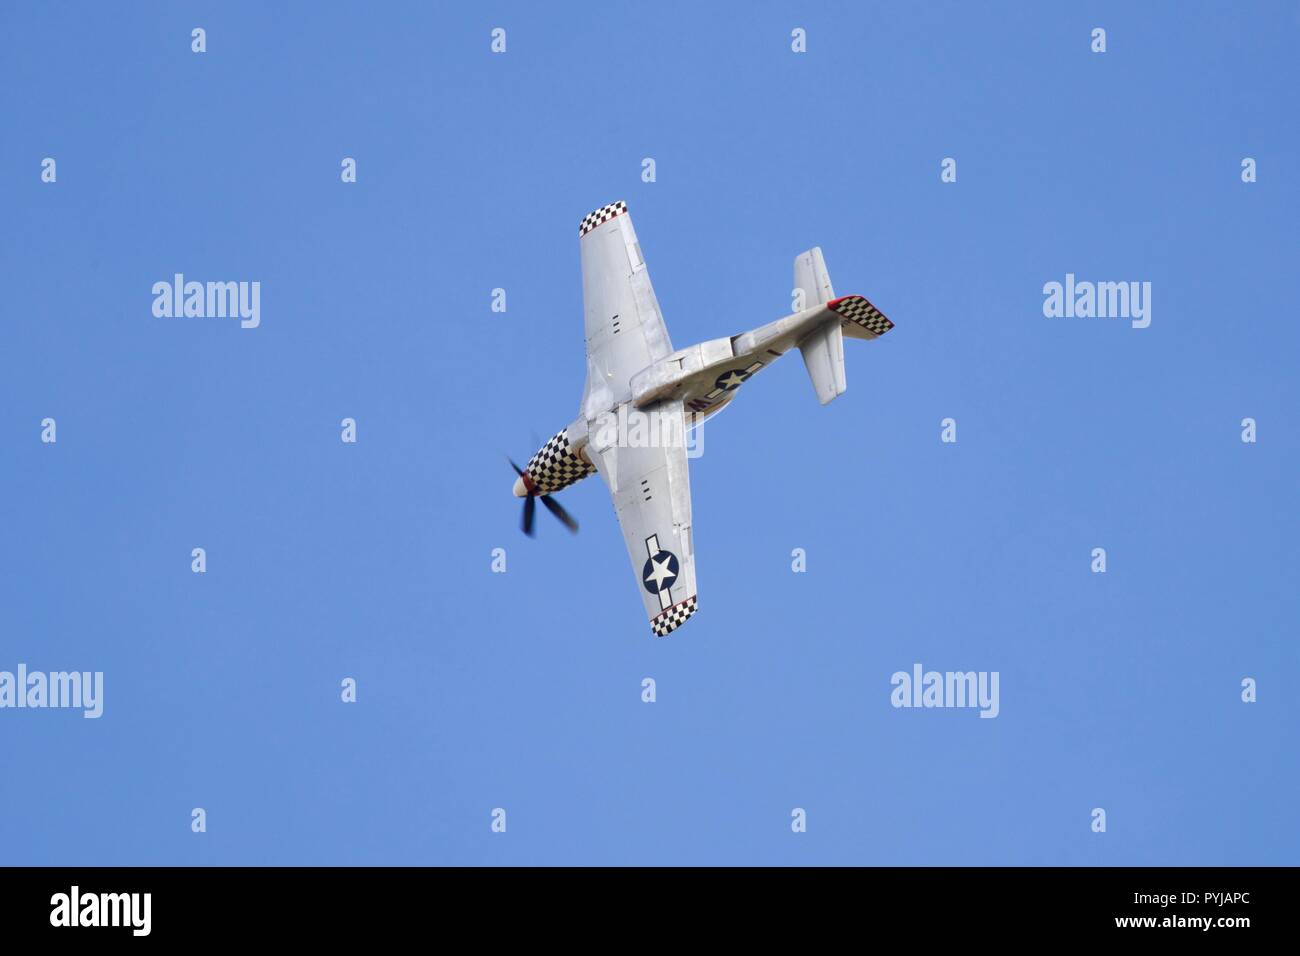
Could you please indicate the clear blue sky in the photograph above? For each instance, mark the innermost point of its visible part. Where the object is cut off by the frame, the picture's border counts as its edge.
(522, 690)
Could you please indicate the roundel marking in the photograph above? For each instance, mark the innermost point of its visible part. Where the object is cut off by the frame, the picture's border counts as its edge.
(660, 571)
(730, 381)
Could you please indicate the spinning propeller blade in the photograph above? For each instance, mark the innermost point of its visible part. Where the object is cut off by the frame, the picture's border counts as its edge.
(530, 506)
(555, 508)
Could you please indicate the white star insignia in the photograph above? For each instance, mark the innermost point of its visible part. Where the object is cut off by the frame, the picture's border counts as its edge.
(659, 573)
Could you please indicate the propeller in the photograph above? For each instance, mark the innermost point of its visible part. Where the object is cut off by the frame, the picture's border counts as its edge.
(553, 506)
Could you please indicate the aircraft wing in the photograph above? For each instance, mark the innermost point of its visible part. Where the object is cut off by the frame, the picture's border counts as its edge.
(625, 329)
(651, 489)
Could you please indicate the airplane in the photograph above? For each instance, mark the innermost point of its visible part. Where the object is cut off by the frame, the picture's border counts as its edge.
(633, 370)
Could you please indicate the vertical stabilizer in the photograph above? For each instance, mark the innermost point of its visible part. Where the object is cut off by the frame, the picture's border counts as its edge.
(811, 277)
(823, 356)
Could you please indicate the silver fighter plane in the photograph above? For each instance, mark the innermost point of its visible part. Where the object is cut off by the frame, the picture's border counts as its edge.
(642, 396)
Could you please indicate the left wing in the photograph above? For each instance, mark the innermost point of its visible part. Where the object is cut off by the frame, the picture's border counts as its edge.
(625, 329)
(651, 488)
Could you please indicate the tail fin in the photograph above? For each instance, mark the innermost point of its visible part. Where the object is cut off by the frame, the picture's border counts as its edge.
(851, 315)
(823, 356)
(812, 280)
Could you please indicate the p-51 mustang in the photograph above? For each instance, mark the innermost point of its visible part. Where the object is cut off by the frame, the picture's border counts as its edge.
(633, 369)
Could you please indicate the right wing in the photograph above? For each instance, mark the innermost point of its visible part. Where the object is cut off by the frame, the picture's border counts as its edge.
(625, 329)
(651, 489)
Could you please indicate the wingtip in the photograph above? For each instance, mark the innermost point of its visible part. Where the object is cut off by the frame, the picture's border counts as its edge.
(673, 618)
(599, 217)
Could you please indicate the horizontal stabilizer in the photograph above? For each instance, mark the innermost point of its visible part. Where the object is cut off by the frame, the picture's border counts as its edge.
(865, 316)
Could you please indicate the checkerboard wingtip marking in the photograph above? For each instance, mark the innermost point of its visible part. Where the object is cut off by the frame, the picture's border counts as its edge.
(601, 216)
(859, 310)
(673, 618)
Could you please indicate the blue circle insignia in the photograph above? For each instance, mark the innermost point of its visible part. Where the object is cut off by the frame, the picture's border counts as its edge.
(660, 572)
(730, 381)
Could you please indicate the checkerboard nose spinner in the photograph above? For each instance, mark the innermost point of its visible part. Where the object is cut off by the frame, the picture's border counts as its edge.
(642, 397)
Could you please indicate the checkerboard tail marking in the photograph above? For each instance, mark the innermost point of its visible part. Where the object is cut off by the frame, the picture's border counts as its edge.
(856, 309)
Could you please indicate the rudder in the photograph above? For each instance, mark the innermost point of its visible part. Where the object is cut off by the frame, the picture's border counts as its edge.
(812, 279)
(823, 356)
